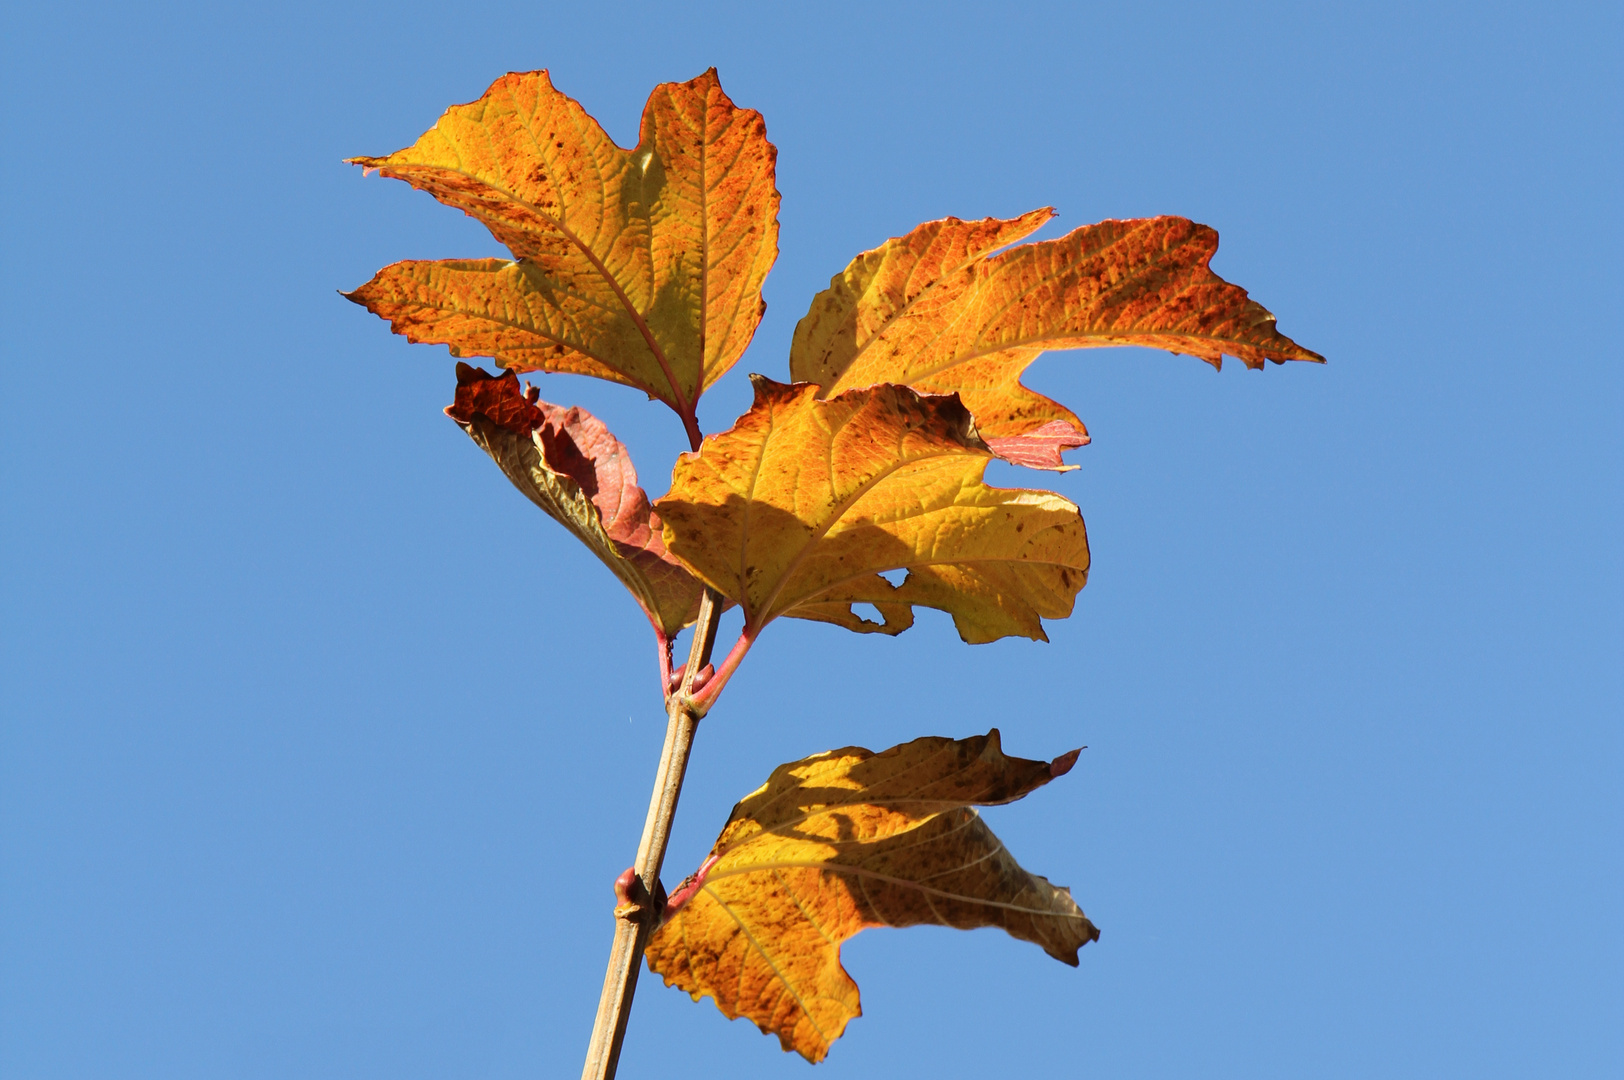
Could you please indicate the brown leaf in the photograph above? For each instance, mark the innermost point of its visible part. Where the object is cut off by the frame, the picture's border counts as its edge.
(640, 266)
(936, 310)
(566, 462)
(842, 841)
(803, 504)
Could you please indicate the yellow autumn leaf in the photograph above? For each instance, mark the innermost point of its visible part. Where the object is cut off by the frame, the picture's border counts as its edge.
(569, 464)
(938, 310)
(640, 266)
(803, 505)
(843, 841)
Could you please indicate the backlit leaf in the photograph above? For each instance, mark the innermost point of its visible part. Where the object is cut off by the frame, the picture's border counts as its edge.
(803, 504)
(566, 462)
(641, 266)
(936, 310)
(846, 840)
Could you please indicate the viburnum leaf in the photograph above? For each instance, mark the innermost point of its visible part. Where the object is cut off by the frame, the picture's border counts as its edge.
(566, 462)
(938, 311)
(640, 266)
(842, 841)
(803, 504)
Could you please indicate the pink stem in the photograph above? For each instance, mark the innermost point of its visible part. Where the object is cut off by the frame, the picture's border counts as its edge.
(690, 424)
(707, 696)
(664, 645)
(688, 889)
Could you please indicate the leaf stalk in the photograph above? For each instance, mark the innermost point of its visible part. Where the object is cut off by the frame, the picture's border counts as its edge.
(708, 694)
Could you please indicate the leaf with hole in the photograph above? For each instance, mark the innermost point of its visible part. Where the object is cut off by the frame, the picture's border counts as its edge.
(803, 505)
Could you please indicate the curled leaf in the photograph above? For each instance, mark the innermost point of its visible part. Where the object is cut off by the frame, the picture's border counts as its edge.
(939, 311)
(803, 505)
(640, 266)
(566, 462)
(846, 840)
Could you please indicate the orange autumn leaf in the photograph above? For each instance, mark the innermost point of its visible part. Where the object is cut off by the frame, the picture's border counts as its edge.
(566, 462)
(803, 505)
(640, 266)
(843, 841)
(939, 311)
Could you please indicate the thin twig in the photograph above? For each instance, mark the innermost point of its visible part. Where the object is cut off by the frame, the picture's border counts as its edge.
(635, 924)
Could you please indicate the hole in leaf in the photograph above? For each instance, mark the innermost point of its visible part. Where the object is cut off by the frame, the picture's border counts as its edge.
(895, 577)
(868, 613)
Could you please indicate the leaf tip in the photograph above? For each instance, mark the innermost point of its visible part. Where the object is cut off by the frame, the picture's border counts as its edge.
(1061, 765)
(768, 390)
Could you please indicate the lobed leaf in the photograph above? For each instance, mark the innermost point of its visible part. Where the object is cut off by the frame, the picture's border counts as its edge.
(846, 840)
(803, 504)
(641, 266)
(566, 462)
(938, 311)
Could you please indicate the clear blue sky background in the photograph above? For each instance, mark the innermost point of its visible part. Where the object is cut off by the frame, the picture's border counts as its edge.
(322, 747)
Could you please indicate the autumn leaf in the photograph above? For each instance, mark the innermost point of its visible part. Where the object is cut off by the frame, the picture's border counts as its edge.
(640, 266)
(566, 462)
(842, 841)
(939, 311)
(803, 505)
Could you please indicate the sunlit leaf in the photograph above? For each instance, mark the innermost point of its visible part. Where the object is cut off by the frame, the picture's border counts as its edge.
(641, 266)
(939, 311)
(803, 504)
(566, 462)
(843, 841)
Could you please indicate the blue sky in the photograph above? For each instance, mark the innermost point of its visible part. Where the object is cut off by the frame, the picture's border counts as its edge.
(321, 747)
